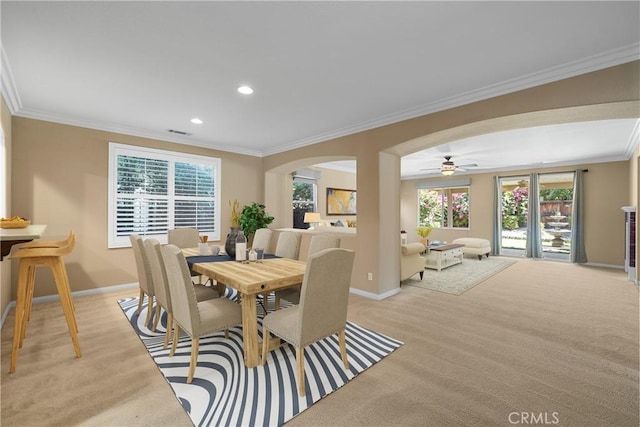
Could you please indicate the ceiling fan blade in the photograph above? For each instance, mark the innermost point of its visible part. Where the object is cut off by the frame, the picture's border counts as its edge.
(443, 148)
(469, 165)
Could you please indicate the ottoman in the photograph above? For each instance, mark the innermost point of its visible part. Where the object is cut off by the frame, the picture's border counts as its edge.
(474, 246)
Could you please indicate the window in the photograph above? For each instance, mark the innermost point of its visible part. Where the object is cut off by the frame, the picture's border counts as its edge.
(305, 193)
(152, 191)
(443, 206)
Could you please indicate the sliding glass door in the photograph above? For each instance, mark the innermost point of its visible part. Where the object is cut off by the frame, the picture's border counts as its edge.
(555, 197)
(556, 206)
(515, 206)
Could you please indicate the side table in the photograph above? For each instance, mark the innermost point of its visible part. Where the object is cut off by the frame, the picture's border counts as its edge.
(444, 256)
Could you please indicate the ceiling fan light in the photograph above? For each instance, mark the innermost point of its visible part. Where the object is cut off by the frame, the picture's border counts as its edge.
(448, 168)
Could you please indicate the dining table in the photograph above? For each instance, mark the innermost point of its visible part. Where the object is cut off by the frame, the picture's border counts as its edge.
(250, 279)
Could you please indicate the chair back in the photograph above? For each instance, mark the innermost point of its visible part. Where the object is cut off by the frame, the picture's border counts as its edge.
(321, 242)
(184, 237)
(325, 294)
(142, 265)
(44, 248)
(262, 239)
(288, 245)
(184, 304)
(158, 275)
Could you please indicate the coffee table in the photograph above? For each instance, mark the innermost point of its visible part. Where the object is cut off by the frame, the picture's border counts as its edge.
(444, 256)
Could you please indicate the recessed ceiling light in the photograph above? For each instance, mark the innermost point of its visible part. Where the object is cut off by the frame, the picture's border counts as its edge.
(245, 90)
(196, 121)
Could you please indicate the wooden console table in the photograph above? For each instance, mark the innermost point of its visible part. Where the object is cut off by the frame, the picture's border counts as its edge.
(444, 256)
(13, 236)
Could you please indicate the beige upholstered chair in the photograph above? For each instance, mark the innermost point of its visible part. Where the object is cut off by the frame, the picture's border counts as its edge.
(161, 287)
(262, 239)
(288, 245)
(195, 318)
(410, 260)
(318, 243)
(322, 310)
(145, 280)
(184, 237)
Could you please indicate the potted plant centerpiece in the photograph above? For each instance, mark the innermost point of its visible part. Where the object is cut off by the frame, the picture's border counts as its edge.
(252, 218)
(249, 219)
(424, 232)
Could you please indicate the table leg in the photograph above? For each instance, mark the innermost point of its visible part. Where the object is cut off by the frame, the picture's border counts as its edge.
(250, 330)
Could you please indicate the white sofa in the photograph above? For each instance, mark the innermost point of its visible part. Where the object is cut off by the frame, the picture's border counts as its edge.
(332, 229)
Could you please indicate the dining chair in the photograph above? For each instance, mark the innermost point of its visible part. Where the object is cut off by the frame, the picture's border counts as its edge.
(145, 280)
(32, 255)
(288, 245)
(185, 238)
(322, 310)
(262, 239)
(195, 317)
(318, 243)
(161, 287)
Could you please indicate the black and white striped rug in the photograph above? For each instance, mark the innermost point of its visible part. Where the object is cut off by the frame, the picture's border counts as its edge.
(225, 392)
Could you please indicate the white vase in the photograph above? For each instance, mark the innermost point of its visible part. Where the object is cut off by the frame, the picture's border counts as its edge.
(203, 248)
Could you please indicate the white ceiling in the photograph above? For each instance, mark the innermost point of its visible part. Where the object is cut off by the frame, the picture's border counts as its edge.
(319, 70)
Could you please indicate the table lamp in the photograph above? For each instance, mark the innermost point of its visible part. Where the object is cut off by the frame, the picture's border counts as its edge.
(312, 218)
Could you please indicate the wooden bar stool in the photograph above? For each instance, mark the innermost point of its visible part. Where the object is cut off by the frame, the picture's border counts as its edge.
(49, 254)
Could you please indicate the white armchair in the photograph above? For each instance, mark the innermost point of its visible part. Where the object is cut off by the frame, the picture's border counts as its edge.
(410, 260)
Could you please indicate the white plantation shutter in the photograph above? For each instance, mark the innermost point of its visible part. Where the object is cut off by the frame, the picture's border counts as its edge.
(194, 193)
(152, 191)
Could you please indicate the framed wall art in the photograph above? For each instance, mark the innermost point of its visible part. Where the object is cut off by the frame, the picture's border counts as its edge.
(341, 201)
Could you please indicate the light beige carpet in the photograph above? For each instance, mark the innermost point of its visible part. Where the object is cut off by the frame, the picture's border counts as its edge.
(540, 337)
(459, 278)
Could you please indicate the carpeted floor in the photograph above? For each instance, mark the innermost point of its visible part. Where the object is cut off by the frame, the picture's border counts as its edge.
(459, 278)
(225, 392)
(540, 337)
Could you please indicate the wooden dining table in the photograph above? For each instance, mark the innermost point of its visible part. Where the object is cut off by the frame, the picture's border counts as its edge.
(251, 279)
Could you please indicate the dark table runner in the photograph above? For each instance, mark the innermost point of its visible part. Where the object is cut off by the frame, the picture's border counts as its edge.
(217, 258)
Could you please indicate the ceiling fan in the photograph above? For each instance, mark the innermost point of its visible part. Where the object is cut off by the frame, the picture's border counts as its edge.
(448, 167)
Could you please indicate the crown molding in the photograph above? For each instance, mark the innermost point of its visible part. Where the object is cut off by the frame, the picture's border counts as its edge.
(634, 140)
(7, 84)
(131, 131)
(601, 61)
(570, 69)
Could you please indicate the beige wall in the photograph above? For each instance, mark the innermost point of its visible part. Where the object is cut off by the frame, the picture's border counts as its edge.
(334, 179)
(60, 176)
(608, 93)
(5, 266)
(605, 192)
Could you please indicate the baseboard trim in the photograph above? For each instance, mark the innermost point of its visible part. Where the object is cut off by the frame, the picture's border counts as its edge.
(377, 297)
(49, 298)
(6, 311)
(597, 264)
